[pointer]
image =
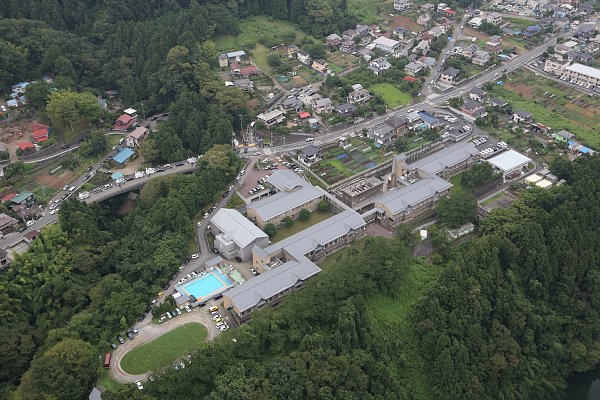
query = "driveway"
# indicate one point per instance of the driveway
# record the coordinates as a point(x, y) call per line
point(149, 332)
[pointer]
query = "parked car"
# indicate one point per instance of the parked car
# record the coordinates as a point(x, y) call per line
point(120, 339)
point(114, 346)
point(253, 271)
point(130, 335)
point(139, 385)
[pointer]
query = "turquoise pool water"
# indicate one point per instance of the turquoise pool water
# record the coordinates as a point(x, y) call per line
point(208, 285)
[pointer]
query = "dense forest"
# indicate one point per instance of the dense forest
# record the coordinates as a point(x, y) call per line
point(92, 275)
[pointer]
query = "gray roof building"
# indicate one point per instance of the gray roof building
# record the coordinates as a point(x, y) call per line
point(400, 199)
point(447, 158)
point(293, 192)
point(235, 226)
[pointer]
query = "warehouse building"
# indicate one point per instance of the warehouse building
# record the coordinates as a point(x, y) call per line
point(235, 236)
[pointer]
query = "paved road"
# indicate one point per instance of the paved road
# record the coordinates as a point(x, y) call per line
point(148, 332)
point(439, 65)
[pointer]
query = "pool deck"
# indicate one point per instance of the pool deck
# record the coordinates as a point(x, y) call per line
point(224, 281)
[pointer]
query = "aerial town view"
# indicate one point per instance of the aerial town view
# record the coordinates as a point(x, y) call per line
point(300, 199)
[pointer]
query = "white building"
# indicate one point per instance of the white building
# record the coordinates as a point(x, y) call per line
point(387, 45)
point(555, 65)
point(582, 74)
point(271, 118)
point(235, 236)
point(511, 163)
point(401, 5)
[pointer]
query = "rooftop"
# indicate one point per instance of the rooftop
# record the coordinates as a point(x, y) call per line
point(509, 160)
point(138, 132)
point(269, 283)
point(584, 70)
point(123, 155)
point(236, 227)
point(399, 199)
point(293, 192)
point(448, 157)
point(383, 41)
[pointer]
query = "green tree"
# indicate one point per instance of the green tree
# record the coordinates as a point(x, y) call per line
point(37, 94)
point(65, 371)
point(270, 229)
point(95, 143)
point(323, 206)
point(457, 209)
point(304, 215)
point(12, 60)
point(288, 221)
point(274, 60)
point(401, 144)
point(70, 107)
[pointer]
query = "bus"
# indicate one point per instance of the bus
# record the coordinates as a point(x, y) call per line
point(107, 358)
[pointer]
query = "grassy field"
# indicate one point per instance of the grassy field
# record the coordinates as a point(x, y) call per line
point(259, 55)
point(369, 11)
point(285, 231)
point(107, 382)
point(520, 23)
point(165, 349)
point(560, 108)
point(393, 318)
point(392, 96)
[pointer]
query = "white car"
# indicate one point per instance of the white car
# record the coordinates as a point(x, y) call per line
point(410, 110)
point(52, 212)
point(139, 385)
point(205, 215)
point(194, 256)
point(30, 222)
point(223, 327)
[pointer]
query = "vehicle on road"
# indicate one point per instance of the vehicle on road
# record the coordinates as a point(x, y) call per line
point(194, 256)
point(139, 385)
point(30, 222)
point(120, 339)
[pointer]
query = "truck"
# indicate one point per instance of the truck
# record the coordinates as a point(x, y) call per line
point(84, 195)
point(139, 174)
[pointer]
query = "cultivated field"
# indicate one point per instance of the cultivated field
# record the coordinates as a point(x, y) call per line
point(555, 105)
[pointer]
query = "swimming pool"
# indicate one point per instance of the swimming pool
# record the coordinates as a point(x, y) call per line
point(207, 285)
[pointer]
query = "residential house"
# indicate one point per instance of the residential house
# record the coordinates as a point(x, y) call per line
point(497, 102)
point(23, 198)
point(556, 65)
point(413, 68)
point(311, 154)
point(480, 57)
point(320, 66)
point(521, 116)
point(381, 134)
point(449, 13)
point(359, 96)
point(365, 54)
point(413, 116)
point(428, 61)
point(244, 84)
point(291, 50)
point(348, 46)
point(494, 44)
point(450, 75)
point(323, 105)
point(349, 34)
point(475, 22)
point(237, 56)
point(580, 57)
point(469, 51)
point(333, 40)
point(429, 120)
point(124, 122)
point(26, 147)
point(403, 35)
point(7, 222)
point(586, 30)
point(244, 72)
point(434, 33)
point(409, 79)
point(401, 5)
point(563, 136)
point(345, 109)
point(473, 108)
point(136, 137)
point(427, 7)
point(223, 61)
point(303, 57)
point(271, 118)
point(477, 94)
point(291, 104)
point(398, 123)
point(379, 65)
point(363, 30)
point(387, 45)
point(494, 18)
point(424, 19)
point(422, 47)
point(583, 74)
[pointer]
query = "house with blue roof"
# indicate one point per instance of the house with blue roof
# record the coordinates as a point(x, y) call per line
point(429, 119)
point(123, 156)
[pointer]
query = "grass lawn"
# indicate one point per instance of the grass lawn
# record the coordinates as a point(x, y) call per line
point(107, 382)
point(369, 11)
point(567, 109)
point(519, 22)
point(259, 54)
point(393, 319)
point(285, 231)
point(392, 96)
point(456, 180)
point(165, 349)
point(234, 201)
point(493, 198)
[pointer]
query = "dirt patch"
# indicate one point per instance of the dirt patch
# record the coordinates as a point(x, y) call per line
point(407, 22)
point(56, 182)
point(521, 89)
point(252, 105)
point(299, 81)
point(472, 32)
point(587, 113)
point(131, 167)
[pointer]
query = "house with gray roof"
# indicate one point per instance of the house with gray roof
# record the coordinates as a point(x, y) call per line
point(345, 109)
point(293, 195)
point(381, 134)
point(235, 236)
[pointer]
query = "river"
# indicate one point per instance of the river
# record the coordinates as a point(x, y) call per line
point(584, 386)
